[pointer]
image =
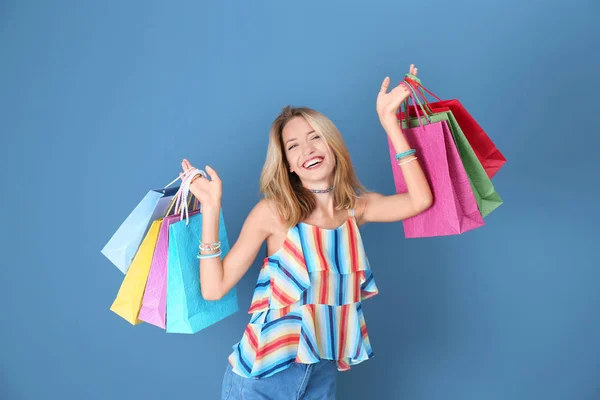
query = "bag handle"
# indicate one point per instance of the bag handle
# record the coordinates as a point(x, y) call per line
point(416, 83)
point(427, 111)
point(182, 199)
point(184, 192)
point(415, 102)
point(172, 208)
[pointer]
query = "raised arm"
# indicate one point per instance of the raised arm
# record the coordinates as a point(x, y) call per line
point(218, 277)
point(377, 207)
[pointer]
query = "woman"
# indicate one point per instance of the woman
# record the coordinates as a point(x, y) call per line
point(307, 319)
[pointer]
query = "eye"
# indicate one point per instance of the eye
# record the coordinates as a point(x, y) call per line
point(315, 137)
point(292, 146)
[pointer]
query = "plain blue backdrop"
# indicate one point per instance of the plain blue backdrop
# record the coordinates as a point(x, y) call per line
point(100, 101)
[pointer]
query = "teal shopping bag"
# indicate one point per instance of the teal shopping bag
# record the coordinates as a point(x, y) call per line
point(187, 310)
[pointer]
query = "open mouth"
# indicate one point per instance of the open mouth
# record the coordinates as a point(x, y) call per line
point(313, 163)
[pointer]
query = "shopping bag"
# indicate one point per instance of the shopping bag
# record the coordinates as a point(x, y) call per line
point(486, 151)
point(454, 209)
point(154, 303)
point(123, 245)
point(187, 311)
point(485, 194)
point(129, 298)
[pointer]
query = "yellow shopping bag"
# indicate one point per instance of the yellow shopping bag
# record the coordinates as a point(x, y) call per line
point(129, 299)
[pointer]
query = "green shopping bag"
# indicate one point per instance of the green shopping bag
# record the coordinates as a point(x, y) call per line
point(485, 194)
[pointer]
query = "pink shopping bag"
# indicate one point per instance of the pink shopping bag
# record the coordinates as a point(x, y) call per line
point(454, 209)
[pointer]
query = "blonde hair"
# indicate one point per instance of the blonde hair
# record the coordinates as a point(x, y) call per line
point(293, 201)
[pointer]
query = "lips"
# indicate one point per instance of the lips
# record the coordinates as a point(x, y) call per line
point(312, 163)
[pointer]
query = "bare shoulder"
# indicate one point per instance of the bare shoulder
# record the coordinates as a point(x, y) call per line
point(265, 213)
point(361, 204)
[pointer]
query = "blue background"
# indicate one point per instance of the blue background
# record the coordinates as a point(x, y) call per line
point(100, 101)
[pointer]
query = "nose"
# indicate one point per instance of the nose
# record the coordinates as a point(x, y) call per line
point(308, 149)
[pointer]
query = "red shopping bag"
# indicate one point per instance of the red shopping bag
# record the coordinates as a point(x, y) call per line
point(486, 151)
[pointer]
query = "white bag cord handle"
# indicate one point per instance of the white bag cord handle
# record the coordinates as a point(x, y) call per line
point(182, 195)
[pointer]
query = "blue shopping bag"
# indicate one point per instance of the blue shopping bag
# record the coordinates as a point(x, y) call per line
point(187, 311)
point(124, 244)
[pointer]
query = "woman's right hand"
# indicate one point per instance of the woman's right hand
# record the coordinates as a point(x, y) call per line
point(208, 192)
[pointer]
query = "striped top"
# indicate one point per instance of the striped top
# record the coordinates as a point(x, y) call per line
point(307, 303)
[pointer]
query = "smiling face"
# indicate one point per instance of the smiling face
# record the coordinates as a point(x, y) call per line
point(306, 151)
point(308, 154)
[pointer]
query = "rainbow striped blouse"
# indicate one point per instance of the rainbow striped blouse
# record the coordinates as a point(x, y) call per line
point(307, 303)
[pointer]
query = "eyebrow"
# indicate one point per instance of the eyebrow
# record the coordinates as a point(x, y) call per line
point(292, 139)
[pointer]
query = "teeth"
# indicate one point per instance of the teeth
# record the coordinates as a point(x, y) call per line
point(312, 162)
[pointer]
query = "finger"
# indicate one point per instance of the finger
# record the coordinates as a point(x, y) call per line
point(411, 68)
point(384, 85)
point(212, 173)
point(198, 176)
point(404, 94)
point(185, 165)
point(188, 168)
point(184, 176)
point(401, 89)
point(416, 71)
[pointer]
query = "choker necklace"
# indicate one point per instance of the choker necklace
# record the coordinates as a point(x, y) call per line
point(321, 190)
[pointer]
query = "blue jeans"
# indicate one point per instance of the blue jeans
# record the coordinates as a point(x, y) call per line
point(298, 382)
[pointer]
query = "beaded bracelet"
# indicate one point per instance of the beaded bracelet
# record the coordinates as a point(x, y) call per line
point(209, 246)
point(204, 256)
point(405, 154)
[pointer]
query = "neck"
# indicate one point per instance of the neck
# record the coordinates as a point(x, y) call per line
point(318, 185)
point(324, 201)
point(324, 205)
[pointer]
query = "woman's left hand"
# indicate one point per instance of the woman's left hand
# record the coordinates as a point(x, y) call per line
point(388, 103)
